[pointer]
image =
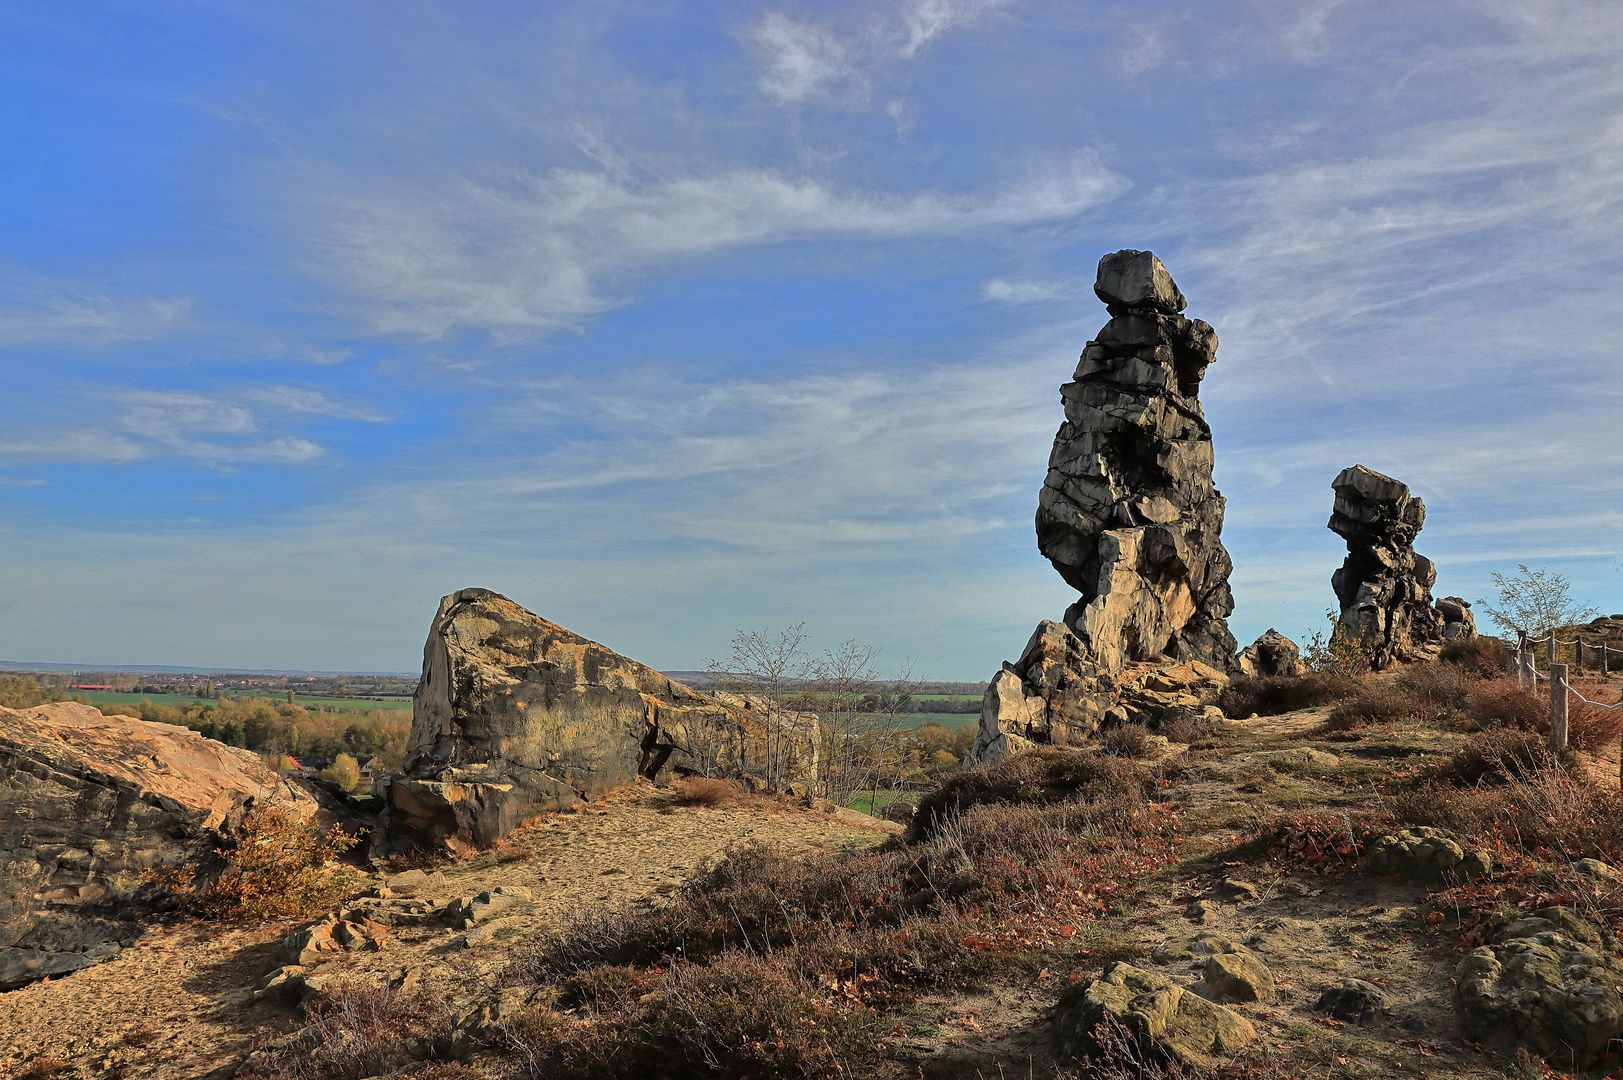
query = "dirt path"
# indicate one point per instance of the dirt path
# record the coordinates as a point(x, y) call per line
point(176, 1005)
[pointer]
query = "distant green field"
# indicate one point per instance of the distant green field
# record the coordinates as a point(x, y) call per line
point(108, 697)
point(948, 720)
point(946, 697)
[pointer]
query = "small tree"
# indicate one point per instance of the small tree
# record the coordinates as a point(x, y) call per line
point(1534, 602)
point(1342, 653)
point(861, 721)
point(345, 771)
point(770, 670)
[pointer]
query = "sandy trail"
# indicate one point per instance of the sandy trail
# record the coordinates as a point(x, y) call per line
point(175, 1005)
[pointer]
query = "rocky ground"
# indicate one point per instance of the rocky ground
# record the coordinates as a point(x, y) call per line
point(180, 1004)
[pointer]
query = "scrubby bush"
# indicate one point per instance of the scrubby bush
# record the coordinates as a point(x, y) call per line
point(356, 1030)
point(1049, 775)
point(703, 791)
point(1544, 809)
point(1483, 657)
point(1185, 726)
point(1502, 703)
point(280, 865)
point(1271, 695)
point(1500, 756)
point(1125, 740)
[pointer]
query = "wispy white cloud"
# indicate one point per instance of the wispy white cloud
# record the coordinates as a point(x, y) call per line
point(299, 399)
point(925, 20)
point(36, 312)
point(1024, 292)
point(71, 446)
point(526, 257)
point(802, 60)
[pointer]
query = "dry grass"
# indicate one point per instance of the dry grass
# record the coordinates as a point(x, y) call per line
point(1481, 657)
point(704, 791)
point(1501, 703)
point(1125, 740)
point(1041, 776)
point(356, 1030)
point(1272, 695)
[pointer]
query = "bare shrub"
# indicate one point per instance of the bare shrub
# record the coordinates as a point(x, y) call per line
point(1502, 703)
point(356, 1030)
point(1271, 695)
point(1126, 740)
point(703, 791)
point(1048, 775)
point(1498, 756)
point(1545, 809)
point(1381, 703)
point(1482, 657)
point(1189, 727)
point(280, 865)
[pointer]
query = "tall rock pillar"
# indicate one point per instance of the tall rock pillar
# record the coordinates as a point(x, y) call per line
point(1128, 514)
point(1384, 586)
point(1129, 517)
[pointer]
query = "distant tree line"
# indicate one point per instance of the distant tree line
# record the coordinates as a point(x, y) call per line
point(274, 729)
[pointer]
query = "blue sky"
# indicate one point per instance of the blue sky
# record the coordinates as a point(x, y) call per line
point(667, 319)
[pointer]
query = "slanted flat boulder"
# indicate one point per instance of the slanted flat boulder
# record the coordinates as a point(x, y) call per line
point(1168, 1020)
point(1548, 982)
point(88, 803)
point(515, 716)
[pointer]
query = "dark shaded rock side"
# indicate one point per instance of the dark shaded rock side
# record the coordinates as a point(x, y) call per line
point(88, 804)
point(1384, 586)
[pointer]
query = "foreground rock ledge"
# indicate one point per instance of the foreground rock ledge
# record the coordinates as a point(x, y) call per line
point(516, 716)
point(87, 803)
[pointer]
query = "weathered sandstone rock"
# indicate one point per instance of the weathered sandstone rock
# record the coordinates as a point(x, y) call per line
point(87, 803)
point(1422, 853)
point(1169, 1021)
point(1128, 514)
point(1456, 618)
point(1129, 517)
point(1548, 982)
point(516, 716)
point(1384, 586)
point(1271, 654)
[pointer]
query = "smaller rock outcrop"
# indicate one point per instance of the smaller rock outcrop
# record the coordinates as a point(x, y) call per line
point(1055, 696)
point(1427, 854)
point(1272, 654)
point(1169, 1021)
point(514, 716)
point(1548, 982)
point(88, 805)
point(1456, 617)
point(1384, 586)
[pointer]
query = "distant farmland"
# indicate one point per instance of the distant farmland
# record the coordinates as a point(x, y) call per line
point(108, 697)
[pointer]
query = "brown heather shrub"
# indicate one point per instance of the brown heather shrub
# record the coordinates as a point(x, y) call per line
point(742, 1015)
point(1271, 695)
point(1480, 657)
point(704, 791)
point(1185, 726)
point(1125, 740)
point(1501, 703)
point(1542, 811)
point(1049, 775)
point(1499, 755)
point(356, 1030)
point(281, 865)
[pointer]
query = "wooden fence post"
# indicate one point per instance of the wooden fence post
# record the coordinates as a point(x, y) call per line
point(1558, 707)
point(1603, 651)
point(1550, 658)
point(1524, 660)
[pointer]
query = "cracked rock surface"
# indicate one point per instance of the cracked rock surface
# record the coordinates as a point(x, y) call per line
point(1128, 514)
point(516, 716)
point(1384, 586)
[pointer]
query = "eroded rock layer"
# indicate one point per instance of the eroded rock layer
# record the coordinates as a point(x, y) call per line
point(1129, 517)
point(1384, 586)
point(87, 804)
point(516, 716)
point(1128, 514)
